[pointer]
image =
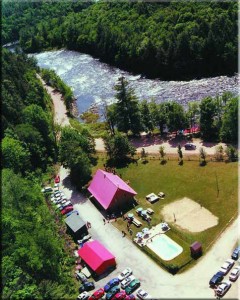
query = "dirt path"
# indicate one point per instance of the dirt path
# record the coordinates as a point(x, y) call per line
point(151, 145)
point(60, 111)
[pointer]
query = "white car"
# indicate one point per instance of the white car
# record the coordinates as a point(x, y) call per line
point(125, 273)
point(227, 266)
point(223, 288)
point(127, 281)
point(234, 273)
point(143, 294)
point(83, 296)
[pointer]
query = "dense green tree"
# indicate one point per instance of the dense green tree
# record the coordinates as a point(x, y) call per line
point(229, 129)
point(128, 115)
point(176, 118)
point(34, 142)
point(75, 151)
point(146, 116)
point(14, 155)
point(207, 114)
point(164, 40)
point(118, 147)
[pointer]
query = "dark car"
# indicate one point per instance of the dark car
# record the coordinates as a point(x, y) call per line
point(190, 146)
point(86, 286)
point(236, 252)
point(216, 279)
point(113, 291)
point(110, 284)
point(132, 286)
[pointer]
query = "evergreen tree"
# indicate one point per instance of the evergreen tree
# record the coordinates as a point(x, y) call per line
point(128, 115)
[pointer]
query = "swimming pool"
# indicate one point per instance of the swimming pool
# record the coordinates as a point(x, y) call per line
point(165, 247)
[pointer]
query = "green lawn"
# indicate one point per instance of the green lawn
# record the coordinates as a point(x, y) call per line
point(192, 181)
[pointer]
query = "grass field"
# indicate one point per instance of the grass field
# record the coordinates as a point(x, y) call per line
point(201, 184)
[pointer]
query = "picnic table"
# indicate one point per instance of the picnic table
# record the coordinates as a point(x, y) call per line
point(136, 222)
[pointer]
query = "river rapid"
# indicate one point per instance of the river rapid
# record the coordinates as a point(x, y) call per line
point(93, 81)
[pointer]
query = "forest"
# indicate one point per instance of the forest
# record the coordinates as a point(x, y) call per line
point(169, 40)
point(35, 261)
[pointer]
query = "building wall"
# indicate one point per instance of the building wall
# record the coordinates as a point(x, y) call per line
point(120, 200)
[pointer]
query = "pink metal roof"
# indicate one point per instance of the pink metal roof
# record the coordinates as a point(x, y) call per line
point(105, 185)
point(95, 254)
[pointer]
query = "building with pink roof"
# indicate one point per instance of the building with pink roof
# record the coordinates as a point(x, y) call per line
point(110, 191)
point(97, 257)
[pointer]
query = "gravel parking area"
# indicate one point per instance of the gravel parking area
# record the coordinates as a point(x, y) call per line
point(160, 284)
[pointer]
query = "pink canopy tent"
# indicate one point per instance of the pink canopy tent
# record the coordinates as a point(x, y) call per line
point(108, 189)
point(97, 257)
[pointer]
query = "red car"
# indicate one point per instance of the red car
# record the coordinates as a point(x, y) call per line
point(57, 179)
point(120, 296)
point(130, 297)
point(97, 294)
point(67, 210)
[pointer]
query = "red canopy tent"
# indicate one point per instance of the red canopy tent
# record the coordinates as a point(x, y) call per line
point(97, 257)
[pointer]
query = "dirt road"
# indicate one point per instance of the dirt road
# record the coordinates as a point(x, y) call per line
point(60, 111)
point(152, 144)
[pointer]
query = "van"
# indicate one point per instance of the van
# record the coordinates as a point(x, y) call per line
point(216, 279)
point(47, 189)
point(236, 252)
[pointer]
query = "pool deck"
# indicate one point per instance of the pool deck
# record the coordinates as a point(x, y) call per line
point(155, 230)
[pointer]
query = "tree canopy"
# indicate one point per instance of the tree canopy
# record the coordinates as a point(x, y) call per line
point(170, 40)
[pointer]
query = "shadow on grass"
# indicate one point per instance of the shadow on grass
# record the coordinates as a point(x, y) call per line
point(120, 163)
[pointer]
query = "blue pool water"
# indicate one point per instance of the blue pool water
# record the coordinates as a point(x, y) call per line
point(165, 247)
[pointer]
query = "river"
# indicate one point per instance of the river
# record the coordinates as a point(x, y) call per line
point(93, 82)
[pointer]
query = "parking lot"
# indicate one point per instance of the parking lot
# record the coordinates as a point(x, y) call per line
point(160, 284)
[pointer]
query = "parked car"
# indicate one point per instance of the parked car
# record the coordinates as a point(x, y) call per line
point(71, 212)
point(110, 284)
point(143, 294)
point(80, 276)
point(130, 297)
point(127, 281)
point(227, 266)
point(190, 146)
point(125, 273)
point(83, 296)
point(86, 286)
point(236, 253)
point(66, 204)
point(66, 210)
point(84, 239)
point(113, 291)
point(47, 189)
point(97, 294)
point(234, 273)
point(132, 286)
point(57, 179)
point(216, 279)
point(120, 296)
point(223, 288)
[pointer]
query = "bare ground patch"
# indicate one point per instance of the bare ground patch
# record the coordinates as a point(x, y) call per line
point(189, 215)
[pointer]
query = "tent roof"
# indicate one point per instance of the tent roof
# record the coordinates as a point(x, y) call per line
point(74, 222)
point(105, 185)
point(94, 254)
